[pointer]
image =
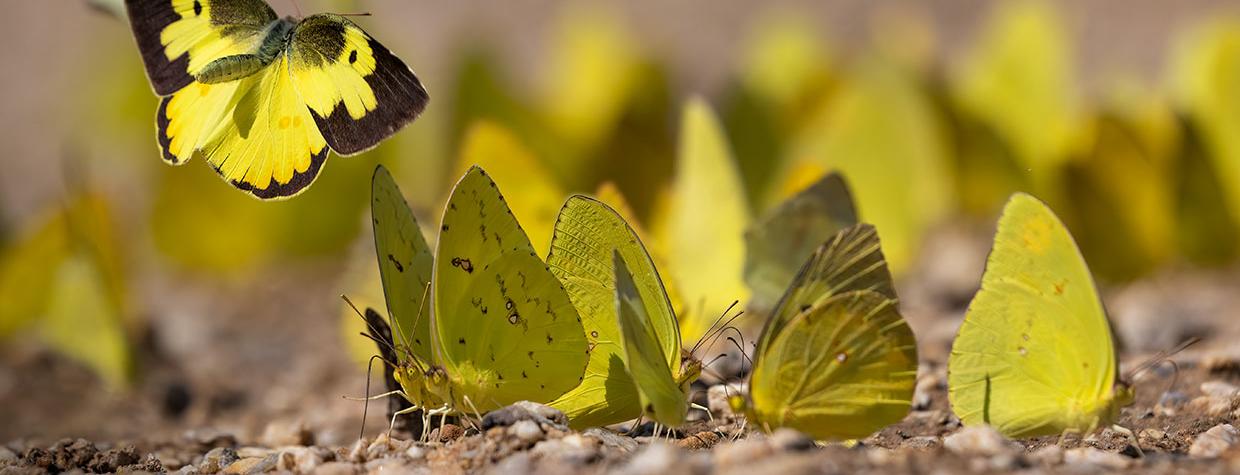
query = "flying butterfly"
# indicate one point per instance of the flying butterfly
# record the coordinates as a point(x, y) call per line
point(835, 360)
point(1034, 355)
point(262, 98)
point(636, 362)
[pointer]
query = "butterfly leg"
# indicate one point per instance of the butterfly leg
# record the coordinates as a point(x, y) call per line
point(407, 410)
point(636, 424)
point(429, 415)
point(397, 392)
point(1131, 436)
point(703, 408)
point(1064, 435)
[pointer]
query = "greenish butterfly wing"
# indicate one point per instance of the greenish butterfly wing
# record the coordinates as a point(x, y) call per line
point(841, 369)
point(851, 260)
point(405, 263)
point(779, 242)
point(1034, 354)
point(504, 327)
point(661, 396)
point(586, 233)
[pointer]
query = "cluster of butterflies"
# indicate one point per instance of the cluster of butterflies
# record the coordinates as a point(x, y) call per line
point(483, 322)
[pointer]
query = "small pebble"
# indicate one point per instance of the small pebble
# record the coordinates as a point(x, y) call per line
point(656, 458)
point(980, 440)
point(699, 441)
point(336, 468)
point(742, 451)
point(447, 433)
point(1049, 455)
point(415, 452)
point(573, 449)
point(217, 459)
point(1212, 406)
point(251, 465)
point(1153, 435)
point(381, 447)
point(1215, 441)
point(611, 439)
point(1087, 457)
point(286, 433)
point(923, 393)
point(387, 465)
point(7, 456)
point(526, 430)
point(1221, 364)
point(1170, 402)
point(1220, 389)
point(524, 410)
point(357, 453)
point(923, 442)
point(790, 440)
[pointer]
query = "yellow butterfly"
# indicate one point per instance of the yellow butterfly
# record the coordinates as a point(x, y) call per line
point(1035, 355)
point(262, 98)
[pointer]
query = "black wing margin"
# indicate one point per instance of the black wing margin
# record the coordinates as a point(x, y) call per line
point(149, 18)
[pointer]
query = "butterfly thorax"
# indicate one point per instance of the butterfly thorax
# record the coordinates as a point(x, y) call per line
point(231, 68)
point(690, 369)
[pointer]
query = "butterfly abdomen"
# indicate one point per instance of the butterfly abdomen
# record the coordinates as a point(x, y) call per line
point(237, 66)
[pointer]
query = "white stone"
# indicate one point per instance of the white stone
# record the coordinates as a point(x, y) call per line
point(1086, 457)
point(980, 440)
point(526, 430)
point(1215, 441)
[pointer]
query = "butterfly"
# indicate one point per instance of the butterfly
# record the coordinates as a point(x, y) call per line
point(636, 364)
point(779, 242)
point(483, 322)
point(263, 98)
point(835, 360)
point(1035, 355)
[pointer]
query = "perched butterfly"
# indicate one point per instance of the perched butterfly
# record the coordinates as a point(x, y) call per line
point(262, 98)
point(1034, 355)
point(381, 333)
point(636, 363)
point(497, 328)
point(835, 360)
point(778, 243)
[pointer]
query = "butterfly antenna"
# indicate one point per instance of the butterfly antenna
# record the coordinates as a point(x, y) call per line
point(355, 14)
point(740, 346)
point(710, 331)
point(366, 405)
point(373, 330)
point(1160, 357)
point(296, 7)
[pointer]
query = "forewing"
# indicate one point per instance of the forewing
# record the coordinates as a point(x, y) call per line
point(358, 92)
point(1034, 348)
point(177, 38)
point(504, 327)
point(842, 369)
point(405, 263)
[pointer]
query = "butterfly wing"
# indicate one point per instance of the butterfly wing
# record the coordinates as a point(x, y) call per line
point(504, 327)
point(647, 363)
point(1034, 354)
point(708, 217)
point(779, 243)
point(841, 369)
point(177, 38)
point(405, 263)
point(255, 132)
point(358, 92)
point(851, 260)
point(586, 233)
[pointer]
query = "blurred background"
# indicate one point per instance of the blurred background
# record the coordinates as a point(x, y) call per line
point(140, 300)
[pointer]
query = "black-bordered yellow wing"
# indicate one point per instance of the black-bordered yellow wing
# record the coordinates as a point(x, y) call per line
point(263, 98)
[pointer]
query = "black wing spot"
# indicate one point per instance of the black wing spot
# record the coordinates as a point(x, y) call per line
point(444, 228)
point(594, 334)
point(399, 268)
point(523, 375)
point(464, 264)
point(461, 341)
point(352, 56)
point(530, 354)
point(549, 339)
point(197, 8)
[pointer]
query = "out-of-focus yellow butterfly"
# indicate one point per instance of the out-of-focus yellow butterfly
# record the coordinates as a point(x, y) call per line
point(703, 228)
point(779, 242)
point(500, 327)
point(835, 360)
point(1035, 355)
point(262, 98)
point(636, 365)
